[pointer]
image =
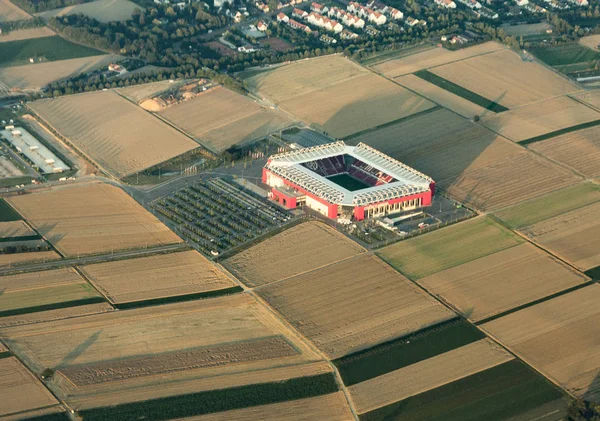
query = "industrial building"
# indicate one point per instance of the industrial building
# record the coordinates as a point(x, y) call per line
point(346, 182)
point(34, 150)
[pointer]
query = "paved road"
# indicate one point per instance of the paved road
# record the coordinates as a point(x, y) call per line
point(92, 259)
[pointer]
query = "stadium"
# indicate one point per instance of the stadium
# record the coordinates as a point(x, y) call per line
point(346, 182)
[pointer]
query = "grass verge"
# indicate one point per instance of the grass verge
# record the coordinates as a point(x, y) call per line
point(43, 49)
point(402, 352)
point(460, 91)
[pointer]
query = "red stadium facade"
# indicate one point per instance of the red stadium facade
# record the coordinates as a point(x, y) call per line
point(350, 182)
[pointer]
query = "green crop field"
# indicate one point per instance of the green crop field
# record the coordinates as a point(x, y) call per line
point(7, 213)
point(43, 49)
point(550, 205)
point(448, 247)
point(565, 54)
point(216, 400)
point(403, 352)
point(499, 393)
point(460, 91)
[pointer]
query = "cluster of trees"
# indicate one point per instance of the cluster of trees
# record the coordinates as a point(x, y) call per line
point(21, 24)
point(583, 411)
point(35, 6)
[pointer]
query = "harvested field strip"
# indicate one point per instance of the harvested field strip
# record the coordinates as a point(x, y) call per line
point(22, 238)
point(21, 34)
point(188, 359)
point(448, 247)
point(10, 12)
point(20, 391)
point(15, 259)
point(58, 314)
point(216, 400)
point(427, 374)
point(353, 305)
point(460, 91)
point(502, 281)
point(298, 250)
point(573, 236)
point(534, 303)
point(411, 349)
point(7, 213)
point(59, 416)
point(594, 273)
point(391, 123)
point(550, 205)
point(15, 229)
point(560, 132)
point(559, 338)
point(498, 393)
point(331, 407)
point(179, 298)
point(52, 306)
point(161, 276)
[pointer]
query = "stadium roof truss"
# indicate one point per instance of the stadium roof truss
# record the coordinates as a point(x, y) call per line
point(408, 181)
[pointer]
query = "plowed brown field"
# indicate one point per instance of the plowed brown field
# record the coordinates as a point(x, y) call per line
point(501, 281)
point(297, 250)
point(353, 305)
point(560, 338)
point(156, 276)
point(92, 218)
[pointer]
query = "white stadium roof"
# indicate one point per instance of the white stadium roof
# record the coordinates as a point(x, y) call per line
point(408, 181)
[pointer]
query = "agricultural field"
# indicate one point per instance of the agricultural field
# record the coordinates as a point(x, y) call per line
point(8, 260)
point(343, 91)
point(52, 48)
point(505, 78)
point(33, 292)
point(566, 54)
point(217, 216)
point(446, 99)
point(14, 230)
point(526, 29)
point(426, 375)
point(574, 236)
point(298, 250)
point(506, 392)
point(35, 76)
point(569, 326)
point(117, 135)
point(92, 218)
point(177, 349)
point(221, 118)
point(23, 34)
point(590, 41)
point(432, 58)
point(158, 276)
point(579, 150)
point(101, 10)
point(550, 205)
point(331, 407)
point(323, 305)
point(446, 248)
point(10, 12)
point(501, 281)
point(21, 393)
point(470, 162)
point(540, 118)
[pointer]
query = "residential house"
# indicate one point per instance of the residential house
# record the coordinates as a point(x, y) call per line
point(318, 8)
point(346, 18)
point(346, 34)
point(395, 14)
point(580, 2)
point(282, 17)
point(327, 39)
point(262, 26)
point(262, 6)
point(371, 30)
point(410, 21)
point(324, 22)
point(487, 13)
point(297, 25)
point(448, 4)
point(299, 13)
point(522, 3)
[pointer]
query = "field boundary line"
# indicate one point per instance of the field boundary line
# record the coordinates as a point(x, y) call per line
point(279, 317)
point(485, 53)
point(533, 303)
point(539, 246)
point(385, 60)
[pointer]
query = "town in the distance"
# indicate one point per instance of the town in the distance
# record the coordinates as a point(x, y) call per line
point(285, 210)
